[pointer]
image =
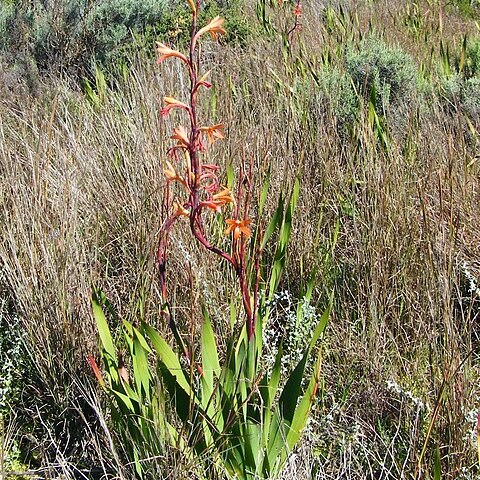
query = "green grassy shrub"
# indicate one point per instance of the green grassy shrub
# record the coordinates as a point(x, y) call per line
point(472, 60)
point(6, 12)
point(110, 23)
point(468, 8)
point(389, 70)
point(470, 97)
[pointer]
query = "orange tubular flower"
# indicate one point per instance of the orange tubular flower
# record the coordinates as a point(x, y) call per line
point(214, 28)
point(298, 9)
point(173, 103)
point(215, 205)
point(180, 134)
point(225, 196)
point(238, 228)
point(213, 132)
point(166, 52)
point(171, 173)
point(210, 166)
point(179, 210)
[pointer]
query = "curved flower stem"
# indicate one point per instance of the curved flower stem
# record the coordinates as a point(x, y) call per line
point(195, 176)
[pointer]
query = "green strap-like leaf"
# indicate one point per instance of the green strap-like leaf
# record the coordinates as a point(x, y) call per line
point(302, 411)
point(210, 360)
point(125, 400)
point(252, 439)
point(320, 328)
point(102, 325)
point(275, 378)
point(167, 357)
point(211, 368)
point(141, 371)
point(263, 194)
point(274, 222)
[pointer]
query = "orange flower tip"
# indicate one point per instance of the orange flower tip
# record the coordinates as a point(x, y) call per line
point(166, 52)
point(203, 80)
point(171, 173)
point(298, 9)
point(180, 134)
point(214, 132)
point(214, 27)
point(210, 166)
point(215, 205)
point(179, 210)
point(192, 5)
point(96, 370)
point(224, 196)
point(203, 83)
point(170, 103)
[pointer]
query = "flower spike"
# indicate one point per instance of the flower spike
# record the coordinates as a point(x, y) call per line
point(166, 52)
point(214, 28)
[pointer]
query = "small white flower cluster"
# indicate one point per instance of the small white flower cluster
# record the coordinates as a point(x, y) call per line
point(467, 474)
point(10, 353)
point(471, 418)
point(472, 281)
point(405, 394)
point(291, 323)
point(186, 254)
point(334, 428)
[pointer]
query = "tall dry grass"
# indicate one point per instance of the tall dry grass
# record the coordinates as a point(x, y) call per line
point(81, 189)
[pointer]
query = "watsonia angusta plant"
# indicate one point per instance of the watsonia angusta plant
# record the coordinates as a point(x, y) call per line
point(243, 420)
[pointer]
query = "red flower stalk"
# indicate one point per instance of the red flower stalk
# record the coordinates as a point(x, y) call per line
point(199, 180)
point(297, 12)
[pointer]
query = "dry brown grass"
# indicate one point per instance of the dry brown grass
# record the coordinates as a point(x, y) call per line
point(81, 190)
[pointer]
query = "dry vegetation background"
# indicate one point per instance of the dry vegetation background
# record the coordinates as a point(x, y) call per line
point(388, 217)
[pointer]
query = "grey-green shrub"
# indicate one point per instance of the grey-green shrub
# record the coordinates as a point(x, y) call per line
point(336, 95)
point(461, 93)
point(69, 34)
point(391, 71)
point(470, 97)
point(110, 22)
